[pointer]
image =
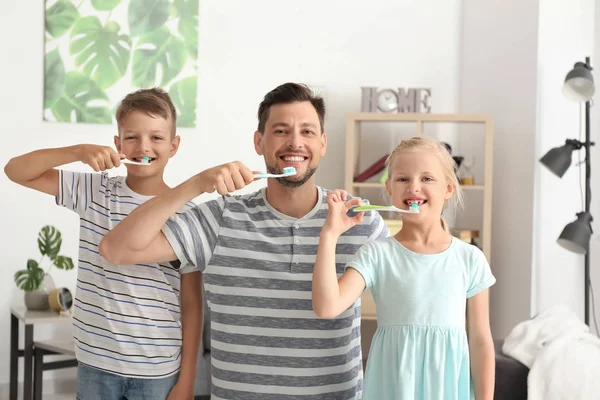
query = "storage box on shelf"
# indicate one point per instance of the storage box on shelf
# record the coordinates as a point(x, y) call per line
point(353, 145)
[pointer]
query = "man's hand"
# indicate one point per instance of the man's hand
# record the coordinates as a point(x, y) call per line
point(225, 178)
point(100, 158)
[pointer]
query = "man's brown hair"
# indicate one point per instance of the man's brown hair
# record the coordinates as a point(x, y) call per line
point(290, 93)
point(153, 102)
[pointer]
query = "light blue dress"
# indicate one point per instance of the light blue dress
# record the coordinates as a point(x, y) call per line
point(420, 349)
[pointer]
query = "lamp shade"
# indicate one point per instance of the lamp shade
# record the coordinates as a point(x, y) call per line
point(558, 160)
point(579, 83)
point(575, 236)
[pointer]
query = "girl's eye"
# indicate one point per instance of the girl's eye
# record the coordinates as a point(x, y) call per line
point(402, 180)
point(428, 179)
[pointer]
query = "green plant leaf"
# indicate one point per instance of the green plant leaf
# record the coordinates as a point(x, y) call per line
point(145, 16)
point(60, 17)
point(187, 12)
point(54, 78)
point(105, 5)
point(32, 264)
point(82, 101)
point(29, 279)
point(62, 262)
point(103, 53)
point(158, 48)
point(49, 241)
point(183, 94)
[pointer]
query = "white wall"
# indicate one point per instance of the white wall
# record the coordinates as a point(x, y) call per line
point(566, 35)
point(246, 49)
point(498, 77)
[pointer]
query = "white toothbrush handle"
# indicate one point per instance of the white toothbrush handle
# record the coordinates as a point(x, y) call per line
point(126, 161)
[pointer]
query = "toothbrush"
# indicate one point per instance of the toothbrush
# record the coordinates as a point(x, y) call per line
point(287, 171)
point(413, 209)
point(145, 161)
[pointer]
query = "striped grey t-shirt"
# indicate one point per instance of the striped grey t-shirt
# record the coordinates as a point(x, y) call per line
point(126, 318)
point(266, 341)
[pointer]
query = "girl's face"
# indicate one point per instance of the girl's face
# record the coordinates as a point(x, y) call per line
point(418, 177)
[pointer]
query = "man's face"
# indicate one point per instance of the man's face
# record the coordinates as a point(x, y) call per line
point(292, 138)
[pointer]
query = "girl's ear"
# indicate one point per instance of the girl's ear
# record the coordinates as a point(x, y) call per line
point(449, 191)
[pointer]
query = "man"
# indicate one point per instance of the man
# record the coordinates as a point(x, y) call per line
point(257, 253)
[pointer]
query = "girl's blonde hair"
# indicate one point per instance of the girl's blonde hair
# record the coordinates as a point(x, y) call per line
point(449, 167)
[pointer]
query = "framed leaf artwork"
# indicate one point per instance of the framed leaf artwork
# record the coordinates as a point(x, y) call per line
point(97, 51)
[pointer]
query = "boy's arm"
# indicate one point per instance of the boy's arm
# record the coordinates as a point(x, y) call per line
point(139, 237)
point(192, 313)
point(36, 170)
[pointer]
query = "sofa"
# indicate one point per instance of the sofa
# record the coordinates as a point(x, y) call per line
point(511, 376)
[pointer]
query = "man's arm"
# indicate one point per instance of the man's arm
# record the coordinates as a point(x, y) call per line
point(192, 313)
point(139, 237)
point(36, 170)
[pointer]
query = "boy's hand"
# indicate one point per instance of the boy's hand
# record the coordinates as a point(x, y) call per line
point(338, 221)
point(225, 178)
point(100, 158)
point(181, 392)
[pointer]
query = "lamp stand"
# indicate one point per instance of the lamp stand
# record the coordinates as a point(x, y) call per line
point(588, 198)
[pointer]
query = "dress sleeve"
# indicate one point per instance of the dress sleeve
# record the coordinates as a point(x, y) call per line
point(365, 261)
point(480, 273)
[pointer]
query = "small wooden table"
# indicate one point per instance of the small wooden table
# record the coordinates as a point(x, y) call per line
point(29, 319)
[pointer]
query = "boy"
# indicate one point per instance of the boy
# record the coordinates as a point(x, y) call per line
point(128, 319)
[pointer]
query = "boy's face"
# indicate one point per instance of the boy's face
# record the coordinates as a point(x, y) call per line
point(145, 135)
point(292, 138)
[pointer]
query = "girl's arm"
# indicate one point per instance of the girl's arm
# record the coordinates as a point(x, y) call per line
point(331, 297)
point(481, 345)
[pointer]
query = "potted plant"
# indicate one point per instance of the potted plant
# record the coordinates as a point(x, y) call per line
point(34, 280)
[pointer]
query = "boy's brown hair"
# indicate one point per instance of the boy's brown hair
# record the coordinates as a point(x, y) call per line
point(153, 102)
point(288, 93)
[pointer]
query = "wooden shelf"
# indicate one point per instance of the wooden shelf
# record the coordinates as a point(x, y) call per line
point(353, 137)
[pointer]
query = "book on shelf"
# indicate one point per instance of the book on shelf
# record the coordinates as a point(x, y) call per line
point(372, 170)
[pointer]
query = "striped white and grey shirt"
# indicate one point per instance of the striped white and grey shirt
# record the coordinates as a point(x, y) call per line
point(266, 341)
point(126, 318)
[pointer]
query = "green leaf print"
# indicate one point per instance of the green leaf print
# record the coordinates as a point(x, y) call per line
point(157, 49)
point(183, 94)
point(54, 79)
point(60, 17)
point(103, 53)
point(144, 16)
point(187, 12)
point(105, 5)
point(82, 101)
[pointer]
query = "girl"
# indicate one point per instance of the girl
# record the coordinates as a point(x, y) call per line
point(425, 284)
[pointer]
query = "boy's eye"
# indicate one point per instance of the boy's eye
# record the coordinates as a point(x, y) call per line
point(157, 138)
point(402, 179)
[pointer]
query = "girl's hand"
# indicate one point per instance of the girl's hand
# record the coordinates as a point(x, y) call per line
point(338, 221)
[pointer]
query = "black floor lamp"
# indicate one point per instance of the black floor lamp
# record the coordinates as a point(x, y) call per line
point(575, 237)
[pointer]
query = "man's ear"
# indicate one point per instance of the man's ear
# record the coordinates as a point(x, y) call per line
point(323, 144)
point(117, 141)
point(258, 142)
point(174, 145)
